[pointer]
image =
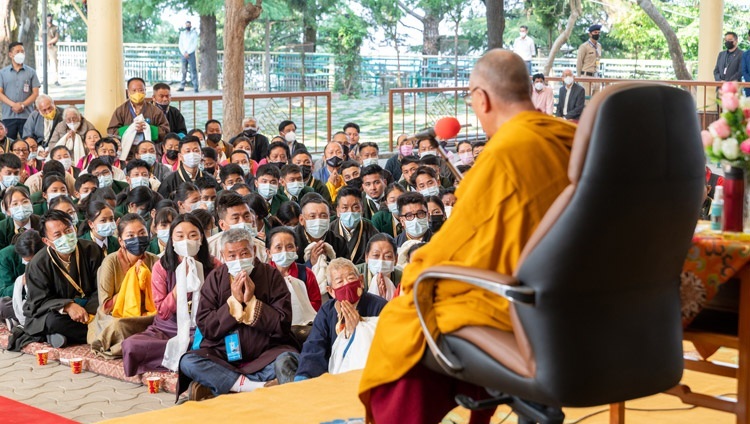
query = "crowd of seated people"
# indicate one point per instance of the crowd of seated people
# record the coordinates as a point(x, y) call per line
point(237, 261)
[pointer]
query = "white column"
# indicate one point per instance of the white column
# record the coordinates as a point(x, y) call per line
point(105, 79)
point(710, 36)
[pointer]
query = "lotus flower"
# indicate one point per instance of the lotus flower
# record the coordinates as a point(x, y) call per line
point(745, 147)
point(707, 138)
point(729, 87)
point(730, 148)
point(730, 102)
point(720, 128)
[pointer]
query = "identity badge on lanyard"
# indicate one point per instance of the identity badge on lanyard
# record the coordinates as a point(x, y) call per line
point(232, 343)
point(26, 87)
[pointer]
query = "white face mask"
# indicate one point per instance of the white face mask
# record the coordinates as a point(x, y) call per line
point(284, 259)
point(568, 80)
point(523, 34)
point(295, 188)
point(539, 86)
point(239, 265)
point(428, 153)
point(317, 228)
point(187, 248)
point(448, 210)
point(380, 266)
point(417, 227)
point(19, 58)
point(267, 190)
point(192, 159)
point(290, 137)
point(139, 182)
point(247, 227)
point(66, 163)
point(73, 125)
point(369, 161)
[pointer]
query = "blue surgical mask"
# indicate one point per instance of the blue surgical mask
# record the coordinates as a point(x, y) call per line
point(350, 219)
point(106, 229)
point(105, 181)
point(210, 205)
point(267, 190)
point(284, 259)
point(21, 212)
point(11, 180)
point(245, 226)
point(66, 243)
point(149, 158)
point(139, 182)
point(245, 169)
point(295, 188)
point(163, 235)
point(369, 161)
point(317, 228)
point(74, 217)
point(417, 227)
point(430, 191)
point(393, 208)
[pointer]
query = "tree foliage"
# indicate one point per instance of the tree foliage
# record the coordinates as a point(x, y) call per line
point(344, 33)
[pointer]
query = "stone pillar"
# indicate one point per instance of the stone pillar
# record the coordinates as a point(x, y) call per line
point(710, 36)
point(105, 79)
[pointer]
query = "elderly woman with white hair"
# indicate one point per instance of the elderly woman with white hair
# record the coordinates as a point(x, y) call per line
point(71, 132)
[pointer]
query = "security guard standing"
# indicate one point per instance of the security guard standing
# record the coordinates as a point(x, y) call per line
point(589, 56)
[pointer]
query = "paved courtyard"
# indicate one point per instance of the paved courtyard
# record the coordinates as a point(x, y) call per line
point(85, 397)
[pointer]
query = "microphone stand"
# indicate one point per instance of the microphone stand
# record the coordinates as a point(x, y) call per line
point(456, 173)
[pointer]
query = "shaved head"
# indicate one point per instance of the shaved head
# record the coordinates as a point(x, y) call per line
point(503, 75)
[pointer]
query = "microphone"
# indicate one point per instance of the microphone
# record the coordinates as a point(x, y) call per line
point(444, 129)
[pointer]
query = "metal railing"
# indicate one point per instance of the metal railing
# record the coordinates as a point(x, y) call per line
point(378, 74)
point(310, 111)
point(413, 109)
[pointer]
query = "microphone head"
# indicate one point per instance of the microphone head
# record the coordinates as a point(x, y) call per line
point(447, 128)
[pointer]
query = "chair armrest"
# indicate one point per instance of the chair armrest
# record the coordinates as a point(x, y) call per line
point(502, 285)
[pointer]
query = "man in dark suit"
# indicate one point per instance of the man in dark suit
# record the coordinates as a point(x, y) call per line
point(572, 98)
point(728, 64)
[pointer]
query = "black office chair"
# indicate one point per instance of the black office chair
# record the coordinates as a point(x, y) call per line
point(595, 299)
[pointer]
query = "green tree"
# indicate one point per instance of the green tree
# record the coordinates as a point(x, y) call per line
point(387, 18)
point(312, 12)
point(344, 34)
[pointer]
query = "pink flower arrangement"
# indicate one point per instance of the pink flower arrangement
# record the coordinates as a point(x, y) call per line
point(728, 138)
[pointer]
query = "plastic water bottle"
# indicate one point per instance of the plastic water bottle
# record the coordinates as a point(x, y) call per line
point(717, 208)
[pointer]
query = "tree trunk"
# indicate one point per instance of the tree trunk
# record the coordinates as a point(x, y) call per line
point(495, 23)
point(5, 31)
point(675, 50)
point(431, 34)
point(575, 12)
point(208, 54)
point(310, 37)
point(238, 16)
point(27, 29)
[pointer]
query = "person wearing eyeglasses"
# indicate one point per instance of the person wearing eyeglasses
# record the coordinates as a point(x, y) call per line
point(414, 218)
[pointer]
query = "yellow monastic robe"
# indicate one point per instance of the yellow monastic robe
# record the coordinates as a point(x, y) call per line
point(501, 200)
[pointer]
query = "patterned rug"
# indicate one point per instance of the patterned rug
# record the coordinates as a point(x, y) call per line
point(91, 362)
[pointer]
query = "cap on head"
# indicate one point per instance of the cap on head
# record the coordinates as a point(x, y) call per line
point(595, 27)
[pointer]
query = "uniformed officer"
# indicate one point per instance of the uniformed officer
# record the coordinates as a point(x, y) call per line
point(589, 55)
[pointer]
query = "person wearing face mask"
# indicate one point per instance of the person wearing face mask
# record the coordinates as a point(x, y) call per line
point(251, 304)
point(524, 46)
point(589, 58)
point(13, 261)
point(386, 221)
point(352, 306)
point(281, 247)
point(105, 174)
point(428, 152)
point(313, 228)
point(234, 212)
point(188, 44)
point(189, 168)
point(161, 223)
point(729, 62)
point(251, 130)
point(294, 186)
point(20, 215)
point(572, 98)
point(153, 119)
point(303, 159)
point(42, 122)
point(381, 277)
point(414, 218)
point(185, 253)
point(52, 187)
point(162, 99)
point(405, 148)
point(138, 174)
point(425, 181)
point(61, 286)
point(542, 96)
point(19, 88)
point(107, 151)
point(146, 151)
point(350, 225)
point(249, 166)
point(100, 227)
point(267, 185)
point(215, 140)
point(126, 306)
point(288, 130)
point(52, 167)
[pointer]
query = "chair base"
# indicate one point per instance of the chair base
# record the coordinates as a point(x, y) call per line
point(527, 412)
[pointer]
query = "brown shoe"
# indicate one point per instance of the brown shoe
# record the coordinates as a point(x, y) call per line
point(274, 382)
point(199, 392)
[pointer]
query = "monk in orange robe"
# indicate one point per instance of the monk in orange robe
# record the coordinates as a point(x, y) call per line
point(501, 200)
